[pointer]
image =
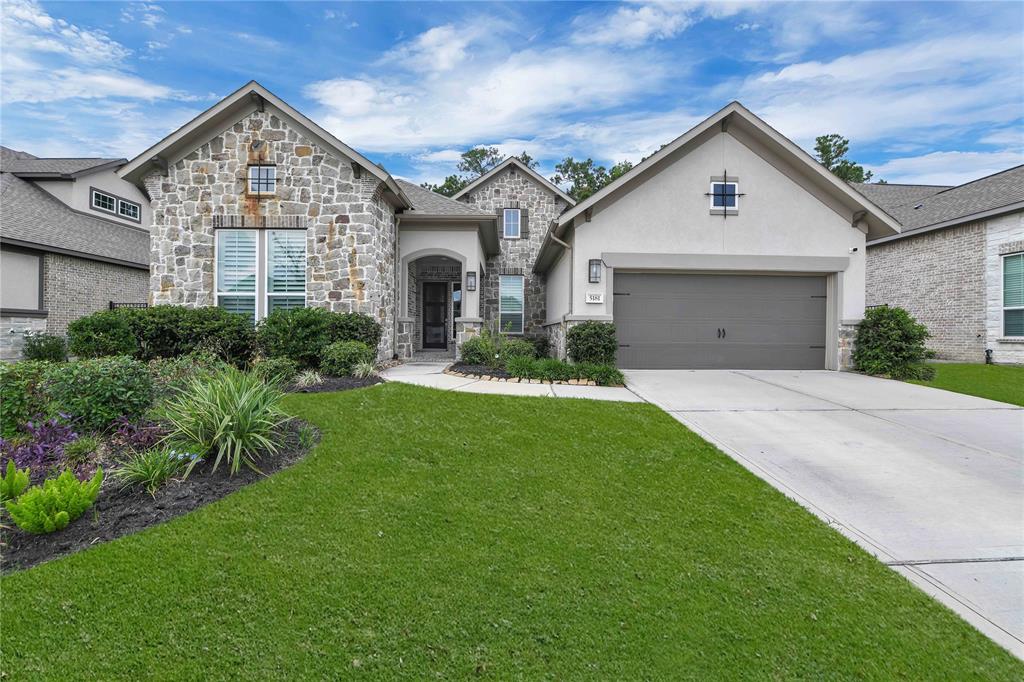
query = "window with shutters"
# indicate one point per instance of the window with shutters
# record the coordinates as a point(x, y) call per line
point(510, 220)
point(1013, 295)
point(260, 271)
point(510, 303)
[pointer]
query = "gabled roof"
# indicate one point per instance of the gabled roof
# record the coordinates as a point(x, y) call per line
point(249, 98)
point(426, 202)
point(26, 165)
point(32, 217)
point(513, 161)
point(889, 195)
point(991, 195)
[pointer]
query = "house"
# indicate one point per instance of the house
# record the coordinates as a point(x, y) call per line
point(730, 247)
point(73, 237)
point(957, 265)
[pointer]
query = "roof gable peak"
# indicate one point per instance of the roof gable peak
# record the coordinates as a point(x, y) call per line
point(515, 161)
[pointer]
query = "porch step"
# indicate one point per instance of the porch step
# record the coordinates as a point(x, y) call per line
point(433, 356)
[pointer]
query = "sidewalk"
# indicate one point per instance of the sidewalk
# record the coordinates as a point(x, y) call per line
point(431, 374)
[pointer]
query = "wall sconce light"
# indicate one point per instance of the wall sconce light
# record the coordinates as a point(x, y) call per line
point(471, 281)
point(595, 270)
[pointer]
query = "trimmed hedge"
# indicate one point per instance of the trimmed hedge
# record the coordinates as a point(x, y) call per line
point(890, 342)
point(592, 342)
point(342, 356)
point(48, 347)
point(304, 333)
point(104, 333)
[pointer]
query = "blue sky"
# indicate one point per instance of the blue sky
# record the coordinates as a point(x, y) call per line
point(926, 92)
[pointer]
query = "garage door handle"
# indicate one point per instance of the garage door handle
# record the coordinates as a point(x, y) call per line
point(723, 332)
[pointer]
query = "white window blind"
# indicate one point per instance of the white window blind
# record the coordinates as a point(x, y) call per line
point(236, 263)
point(1013, 295)
point(510, 219)
point(510, 303)
point(286, 269)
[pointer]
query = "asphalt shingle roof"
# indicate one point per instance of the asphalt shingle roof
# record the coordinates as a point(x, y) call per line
point(58, 166)
point(426, 202)
point(32, 215)
point(889, 196)
point(922, 209)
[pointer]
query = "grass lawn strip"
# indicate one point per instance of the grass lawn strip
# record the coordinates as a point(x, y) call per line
point(446, 534)
point(1004, 383)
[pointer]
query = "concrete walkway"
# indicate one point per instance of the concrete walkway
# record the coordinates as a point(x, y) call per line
point(432, 374)
point(929, 481)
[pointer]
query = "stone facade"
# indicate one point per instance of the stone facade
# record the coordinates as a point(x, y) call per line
point(74, 287)
point(939, 277)
point(513, 188)
point(13, 329)
point(350, 227)
point(1004, 235)
point(847, 342)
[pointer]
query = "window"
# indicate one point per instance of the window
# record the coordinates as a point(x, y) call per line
point(240, 287)
point(129, 210)
point(262, 179)
point(510, 303)
point(724, 196)
point(511, 223)
point(103, 201)
point(21, 280)
point(1013, 295)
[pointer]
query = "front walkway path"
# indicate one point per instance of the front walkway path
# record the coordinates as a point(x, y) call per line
point(432, 374)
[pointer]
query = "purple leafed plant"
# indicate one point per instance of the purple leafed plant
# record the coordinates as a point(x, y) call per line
point(137, 436)
point(42, 446)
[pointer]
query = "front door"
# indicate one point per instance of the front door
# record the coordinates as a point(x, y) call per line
point(435, 314)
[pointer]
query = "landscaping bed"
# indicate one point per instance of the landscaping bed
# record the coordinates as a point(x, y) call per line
point(120, 510)
point(330, 384)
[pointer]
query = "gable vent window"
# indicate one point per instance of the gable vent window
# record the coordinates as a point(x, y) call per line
point(724, 196)
point(262, 179)
point(103, 201)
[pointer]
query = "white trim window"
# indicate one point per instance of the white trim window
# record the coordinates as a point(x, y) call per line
point(260, 271)
point(511, 304)
point(1013, 295)
point(725, 196)
point(102, 201)
point(129, 210)
point(262, 179)
point(510, 222)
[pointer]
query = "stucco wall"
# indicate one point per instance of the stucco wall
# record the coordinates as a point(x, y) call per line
point(1004, 235)
point(350, 228)
point(939, 278)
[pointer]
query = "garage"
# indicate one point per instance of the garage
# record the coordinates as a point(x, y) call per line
point(720, 321)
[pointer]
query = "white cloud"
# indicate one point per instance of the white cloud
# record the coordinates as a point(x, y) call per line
point(633, 25)
point(148, 14)
point(947, 168)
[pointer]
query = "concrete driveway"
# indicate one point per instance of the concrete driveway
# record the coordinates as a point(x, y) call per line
point(930, 482)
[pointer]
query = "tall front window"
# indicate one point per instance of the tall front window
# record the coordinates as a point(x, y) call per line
point(510, 218)
point(1013, 295)
point(510, 303)
point(242, 258)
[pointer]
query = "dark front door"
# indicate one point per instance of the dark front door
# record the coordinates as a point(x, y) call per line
point(435, 314)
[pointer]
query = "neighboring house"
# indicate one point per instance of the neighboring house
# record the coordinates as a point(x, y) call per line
point(958, 264)
point(73, 238)
point(730, 247)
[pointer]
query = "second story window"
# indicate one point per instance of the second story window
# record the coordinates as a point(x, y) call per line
point(510, 220)
point(111, 203)
point(129, 210)
point(262, 179)
point(103, 201)
point(724, 196)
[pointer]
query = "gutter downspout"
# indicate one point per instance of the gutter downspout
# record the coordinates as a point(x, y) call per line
point(398, 292)
point(572, 268)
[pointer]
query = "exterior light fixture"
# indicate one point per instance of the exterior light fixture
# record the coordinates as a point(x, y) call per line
point(595, 270)
point(471, 281)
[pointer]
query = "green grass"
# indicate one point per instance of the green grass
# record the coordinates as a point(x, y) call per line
point(455, 535)
point(1004, 383)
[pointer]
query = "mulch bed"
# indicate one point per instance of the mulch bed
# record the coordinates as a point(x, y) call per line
point(481, 370)
point(119, 512)
point(338, 384)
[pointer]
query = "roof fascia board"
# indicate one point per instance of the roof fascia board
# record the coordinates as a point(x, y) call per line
point(953, 222)
point(544, 182)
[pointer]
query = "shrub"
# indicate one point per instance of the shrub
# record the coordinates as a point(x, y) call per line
point(302, 334)
point(41, 446)
point(479, 350)
point(21, 394)
point(78, 450)
point(364, 370)
point(551, 369)
point(592, 342)
point(103, 333)
point(48, 347)
point(339, 358)
point(516, 348)
point(890, 342)
point(541, 346)
point(232, 416)
point(307, 378)
point(13, 482)
point(280, 370)
point(55, 504)
point(151, 469)
point(171, 374)
point(98, 391)
point(521, 367)
point(602, 375)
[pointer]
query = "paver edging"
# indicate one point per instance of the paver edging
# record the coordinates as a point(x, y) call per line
point(516, 380)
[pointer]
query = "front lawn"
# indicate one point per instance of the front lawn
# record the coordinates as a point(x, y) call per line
point(459, 535)
point(1004, 383)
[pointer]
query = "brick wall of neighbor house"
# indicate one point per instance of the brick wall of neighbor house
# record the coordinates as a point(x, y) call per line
point(350, 228)
point(1005, 235)
point(74, 287)
point(939, 277)
point(512, 188)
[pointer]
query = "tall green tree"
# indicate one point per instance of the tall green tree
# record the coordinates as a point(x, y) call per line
point(474, 163)
point(831, 151)
point(585, 177)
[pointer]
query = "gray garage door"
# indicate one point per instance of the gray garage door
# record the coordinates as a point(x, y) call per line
point(669, 321)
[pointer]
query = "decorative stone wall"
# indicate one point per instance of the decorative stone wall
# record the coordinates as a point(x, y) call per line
point(350, 228)
point(403, 339)
point(939, 278)
point(464, 331)
point(1003, 235)
point(512, 188)
point(12, 334)
point(74, 287)
point(847, 342)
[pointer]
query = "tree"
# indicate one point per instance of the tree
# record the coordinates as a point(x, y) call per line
point(474, 163)
point(585, 177)
point(527, 160)
point(451, 186)
point(831, 150)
